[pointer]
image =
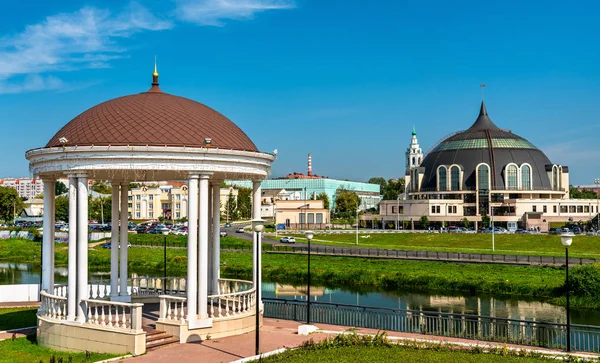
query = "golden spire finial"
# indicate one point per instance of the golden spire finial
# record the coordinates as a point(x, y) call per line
point(155, 74)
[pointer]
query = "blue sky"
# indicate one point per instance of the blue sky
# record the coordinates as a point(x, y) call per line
point(343, 80)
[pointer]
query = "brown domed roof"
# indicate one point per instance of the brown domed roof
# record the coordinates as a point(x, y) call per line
point(153, 118)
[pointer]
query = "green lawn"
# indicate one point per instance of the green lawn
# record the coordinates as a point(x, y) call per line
point(355, 354)
point(12, 318)
point(389, 275)
point(357, 274)
point(26, 350)
point(522, 244)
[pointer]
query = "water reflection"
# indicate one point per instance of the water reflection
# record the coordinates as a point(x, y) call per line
point(524, 309)
point(477, 305)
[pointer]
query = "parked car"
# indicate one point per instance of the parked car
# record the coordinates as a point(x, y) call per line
point(223, 233)
point(227, 225)
point(141, 229)
point(108, 245)
point(239, 230)
point(287, 240)
point(577, 230)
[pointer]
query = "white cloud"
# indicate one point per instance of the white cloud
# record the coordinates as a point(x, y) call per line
point(32, 83)
point(86, 38)
point(213, 12)
point(90, 38)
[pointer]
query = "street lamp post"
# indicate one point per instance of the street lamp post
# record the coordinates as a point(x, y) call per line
point(257, 226)
point(492, 210)
point(597, 181)
point(309, 237)
point(165, 233)
point(357, 226)
point(397, 211)
point(566, 240)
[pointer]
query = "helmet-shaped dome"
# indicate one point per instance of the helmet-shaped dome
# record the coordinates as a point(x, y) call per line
point(484, 142)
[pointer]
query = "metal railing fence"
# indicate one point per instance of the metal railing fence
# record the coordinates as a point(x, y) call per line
point(584, 338)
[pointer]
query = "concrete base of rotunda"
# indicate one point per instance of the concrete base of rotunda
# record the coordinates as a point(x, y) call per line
point(77, 337)
point(221, 327)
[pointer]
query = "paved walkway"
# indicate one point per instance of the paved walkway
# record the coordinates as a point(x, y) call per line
point(277, 334)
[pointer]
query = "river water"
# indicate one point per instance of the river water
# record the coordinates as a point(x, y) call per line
point(523, 309)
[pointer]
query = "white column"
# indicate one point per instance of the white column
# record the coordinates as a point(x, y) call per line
point(82, 246)
point(216, 245)
point(192, 268)
point(114, 240)
point(72, 251)
point(124, 240)
point(256, 198)
point(211, 230)
point(52, 212)
point(203, 248)
point(46, 242)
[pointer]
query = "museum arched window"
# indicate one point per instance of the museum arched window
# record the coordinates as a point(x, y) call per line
point(454, 178)
point(483, 176)
point(526, 177)
point(442, 178)
point(512, 176)
point(555, 183)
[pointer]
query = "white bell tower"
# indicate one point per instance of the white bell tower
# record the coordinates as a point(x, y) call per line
point(414, 153)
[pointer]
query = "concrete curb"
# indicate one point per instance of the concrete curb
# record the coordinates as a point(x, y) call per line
point(260, 356)
point(17, 329)
point(114, 359)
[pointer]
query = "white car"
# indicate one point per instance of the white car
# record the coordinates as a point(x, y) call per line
point(287, 240)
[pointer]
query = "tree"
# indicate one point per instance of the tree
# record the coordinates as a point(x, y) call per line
point(346, 203)
point(393, 189)
point(485, 220)
point(231, 207)
point(60, 188)
point(244, 203)
point(424, 221)
point(465, 222)
point(100, 186)
point(61, 212)
point(379, 180)
point(325, 198)
point(10, 203)
point(575, 193)
point(100, 209)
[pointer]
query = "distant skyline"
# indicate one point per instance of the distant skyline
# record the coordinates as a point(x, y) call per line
point(342, 80)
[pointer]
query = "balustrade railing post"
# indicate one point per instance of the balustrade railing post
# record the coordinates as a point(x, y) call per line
point(136, 316)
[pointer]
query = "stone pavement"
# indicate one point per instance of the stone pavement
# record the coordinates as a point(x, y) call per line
point(277, 334)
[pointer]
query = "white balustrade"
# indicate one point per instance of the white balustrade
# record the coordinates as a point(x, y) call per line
point(228, 286)
point(60, 290)
point(172, 308)
point(231, 304)
point(157, 285)
point(114, 315)
point(52, 306)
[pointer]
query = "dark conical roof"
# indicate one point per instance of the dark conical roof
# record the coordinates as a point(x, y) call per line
point(483, 121)
point(484, 142)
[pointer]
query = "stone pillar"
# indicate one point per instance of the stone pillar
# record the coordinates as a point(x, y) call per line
point(48, 238)
point(82, 246)
point(203, 248)
point(72, 250)
point(192, 267)
point(256, 198)
point(216, 245)
point(123, 240)
point(114, 241)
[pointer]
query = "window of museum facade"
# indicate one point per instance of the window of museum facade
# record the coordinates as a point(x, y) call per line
point(483, 177)
point(435, 209)
point(442, 177)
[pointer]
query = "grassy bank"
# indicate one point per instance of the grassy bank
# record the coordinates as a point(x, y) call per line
point(27, 350)
point(13, 318)
point(353, 348)
point(363, 273)
point(517, 244)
